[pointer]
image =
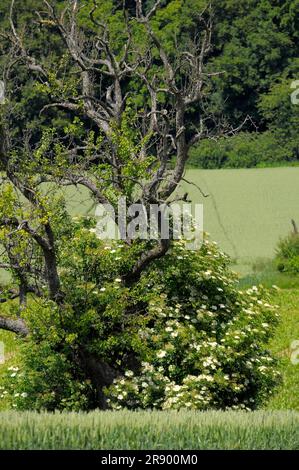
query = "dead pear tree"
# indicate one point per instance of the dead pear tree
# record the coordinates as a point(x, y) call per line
point(131, 102)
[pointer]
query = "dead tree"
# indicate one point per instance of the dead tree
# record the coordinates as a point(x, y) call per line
point(172, 83)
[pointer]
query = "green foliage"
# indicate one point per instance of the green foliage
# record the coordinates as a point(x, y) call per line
point(254, 45)
point(284, 345)
point(22, 90)
point(196, 340)
point(244, 150)
point(286, 397)
point(255, 48)
point(282, 115)
point(206, 348)
point(150, 430)
point(287, 254)
point(11, 345)
point(47, 380)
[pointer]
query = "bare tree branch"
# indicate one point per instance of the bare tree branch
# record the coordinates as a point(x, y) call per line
point(17, 326)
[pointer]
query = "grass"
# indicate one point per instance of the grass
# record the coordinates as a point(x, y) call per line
point(11, 355)
point(287, 396)
point(287, 299)
point(265, 272)
point(150, 430)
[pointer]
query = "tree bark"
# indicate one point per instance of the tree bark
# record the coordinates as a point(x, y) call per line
point(16, 326)
point(101, 375)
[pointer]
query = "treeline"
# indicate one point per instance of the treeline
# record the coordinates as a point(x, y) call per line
point(256, 44)
point(255, 51)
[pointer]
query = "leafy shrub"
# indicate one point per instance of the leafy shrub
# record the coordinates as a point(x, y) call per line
point(48, 380)
point(184, 336)
point(287, 254)
point(206, 349)
point(244, 150)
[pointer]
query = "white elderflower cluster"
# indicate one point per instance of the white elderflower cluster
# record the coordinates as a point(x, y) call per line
point(205, 341)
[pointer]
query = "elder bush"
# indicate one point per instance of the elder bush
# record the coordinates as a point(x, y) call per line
point(183, 336)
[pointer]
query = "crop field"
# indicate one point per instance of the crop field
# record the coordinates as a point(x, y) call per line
point(247, 210)
point(150, 430)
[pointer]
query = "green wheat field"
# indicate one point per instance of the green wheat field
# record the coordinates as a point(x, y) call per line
point(125, 430)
